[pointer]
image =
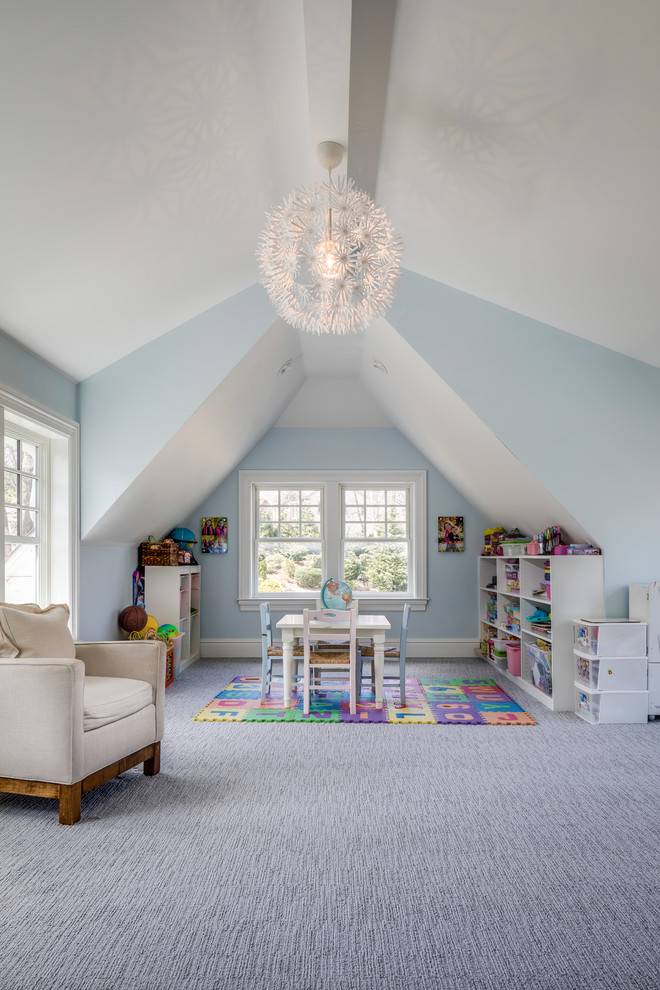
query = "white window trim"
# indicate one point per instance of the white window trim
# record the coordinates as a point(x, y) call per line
point(64, 476)
point(21, 431)
point(249, 480)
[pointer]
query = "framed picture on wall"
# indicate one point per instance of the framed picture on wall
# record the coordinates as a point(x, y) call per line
point(450, 534)
point(214, 534)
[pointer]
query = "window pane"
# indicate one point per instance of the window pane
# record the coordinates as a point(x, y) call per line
point(29, 460)
point(268, 513)
point(376, 567)
point(376, 498)
point(375, 531)
point(289, 567)
point(11, 522)
point(29, 522)
point(268, 530)
point(11, 452)
point(11, 487)
point(21, 575)
point(290, 513)
point(375, 514)
point(289, 497)
point(290, 531)
point(29, 491)
point(311, 531)
point(397, 497)
point(268, 497)
point(395, 530)
point(353, 496)
point(311, 497)
point(354, 529)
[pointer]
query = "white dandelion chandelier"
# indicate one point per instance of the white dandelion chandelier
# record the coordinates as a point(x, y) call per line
point(329, 257)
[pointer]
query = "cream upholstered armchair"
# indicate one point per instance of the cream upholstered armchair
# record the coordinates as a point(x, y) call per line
point(74, 715)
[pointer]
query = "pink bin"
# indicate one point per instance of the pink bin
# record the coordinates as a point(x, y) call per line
point(513, 658)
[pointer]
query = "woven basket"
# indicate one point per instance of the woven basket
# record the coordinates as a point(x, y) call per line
point(159, 554)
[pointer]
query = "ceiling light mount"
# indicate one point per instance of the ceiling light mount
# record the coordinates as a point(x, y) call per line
point(329, 257)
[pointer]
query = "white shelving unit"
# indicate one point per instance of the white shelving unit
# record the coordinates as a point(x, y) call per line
point(610, 670)
point(576, 588)
point(172, 595)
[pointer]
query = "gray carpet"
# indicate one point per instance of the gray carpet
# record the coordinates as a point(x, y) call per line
point(346, 857)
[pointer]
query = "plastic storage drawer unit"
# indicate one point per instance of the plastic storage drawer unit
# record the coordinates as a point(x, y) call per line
point(604, 638)
point(611, 673)
point(599, 707)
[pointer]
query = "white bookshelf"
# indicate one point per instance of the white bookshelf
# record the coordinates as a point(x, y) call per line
point(577, 589)
point(172, 595)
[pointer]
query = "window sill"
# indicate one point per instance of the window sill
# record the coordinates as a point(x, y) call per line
point(388, 603)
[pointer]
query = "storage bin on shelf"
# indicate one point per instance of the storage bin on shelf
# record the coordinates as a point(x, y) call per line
point(514, 549)
point(513, 661)
point(165, 554)
point(611, 673)
point(611, 706)
point(539, 663)
point(497, 652)
point(610, 637)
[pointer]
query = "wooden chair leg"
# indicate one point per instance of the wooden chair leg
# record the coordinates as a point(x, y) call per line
point(152, 764)
point(70, 800)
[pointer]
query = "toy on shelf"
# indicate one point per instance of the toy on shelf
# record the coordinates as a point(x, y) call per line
point(186, 540)
point(492, 541)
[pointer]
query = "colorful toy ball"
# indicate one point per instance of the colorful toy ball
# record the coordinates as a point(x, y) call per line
point(167, 631)
point(133, 618)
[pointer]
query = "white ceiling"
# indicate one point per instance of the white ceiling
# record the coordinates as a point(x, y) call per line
point(514, 144)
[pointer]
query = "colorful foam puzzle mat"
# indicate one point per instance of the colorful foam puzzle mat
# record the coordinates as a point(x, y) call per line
point(448, 701)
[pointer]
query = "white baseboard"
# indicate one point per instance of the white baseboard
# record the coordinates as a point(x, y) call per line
point(239, 649)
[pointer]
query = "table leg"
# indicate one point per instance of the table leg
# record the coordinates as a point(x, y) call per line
point(379, 665)
point(287, 664)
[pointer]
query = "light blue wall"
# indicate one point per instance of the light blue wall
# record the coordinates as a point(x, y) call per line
point(129, 410)
point(22, 372)
point(582, 417)
point(452, 578)
point(106, 587)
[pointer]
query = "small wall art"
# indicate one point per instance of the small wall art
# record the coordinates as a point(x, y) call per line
point(214, 534)
point(450, 534)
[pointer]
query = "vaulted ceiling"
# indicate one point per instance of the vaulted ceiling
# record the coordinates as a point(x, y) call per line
point(514, 143)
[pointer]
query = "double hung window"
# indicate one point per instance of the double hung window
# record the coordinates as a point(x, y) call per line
point(297, 529)
point(39, 481)
point(26, 457)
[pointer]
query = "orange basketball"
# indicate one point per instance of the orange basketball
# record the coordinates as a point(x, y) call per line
point(133, 618)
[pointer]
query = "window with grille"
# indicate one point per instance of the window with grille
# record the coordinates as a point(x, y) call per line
point(39, 480)
point(376, 539)
point(25, 513)
point(299, 528)
point(289, 546)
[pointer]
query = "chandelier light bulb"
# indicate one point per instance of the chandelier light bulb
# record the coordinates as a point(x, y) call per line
point(329, 258)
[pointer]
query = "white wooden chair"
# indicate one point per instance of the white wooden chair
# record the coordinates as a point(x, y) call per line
point(398, 655)
point(271, 651)
point(315, 628)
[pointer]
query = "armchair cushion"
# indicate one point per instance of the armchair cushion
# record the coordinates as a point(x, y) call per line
point(30, 631)
point(107, 699)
